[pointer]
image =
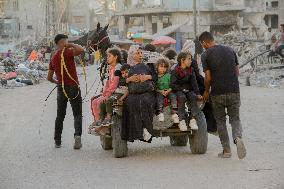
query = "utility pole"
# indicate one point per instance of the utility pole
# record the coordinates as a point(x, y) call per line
point(194, 18)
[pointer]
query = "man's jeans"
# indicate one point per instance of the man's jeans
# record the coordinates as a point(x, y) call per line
point(76, 105)
point(160, 102)
point(231, 102)
point(190, 99)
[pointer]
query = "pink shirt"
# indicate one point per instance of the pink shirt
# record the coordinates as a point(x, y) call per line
point(111, 83)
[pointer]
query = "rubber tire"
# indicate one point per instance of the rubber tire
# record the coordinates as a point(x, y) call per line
point(119, 146)
point(179, 140)
point(199, 139)
point(106, 142)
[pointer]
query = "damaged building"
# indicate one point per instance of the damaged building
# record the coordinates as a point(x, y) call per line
point(176, 17)
point(274, 14)
point(18, 20)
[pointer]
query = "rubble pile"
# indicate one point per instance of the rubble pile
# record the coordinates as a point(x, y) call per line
point(270, 78)
point(258, 73)
point(17, 71)
point(244, 45)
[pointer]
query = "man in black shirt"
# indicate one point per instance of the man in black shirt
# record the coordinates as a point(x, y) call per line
point(221, 68)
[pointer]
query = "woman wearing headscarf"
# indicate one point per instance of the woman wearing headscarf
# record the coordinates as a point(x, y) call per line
point(139, 107)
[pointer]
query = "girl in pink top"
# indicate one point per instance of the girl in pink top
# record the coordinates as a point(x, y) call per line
point(113, 59)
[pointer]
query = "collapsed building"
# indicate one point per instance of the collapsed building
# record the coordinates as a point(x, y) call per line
point(176, 17)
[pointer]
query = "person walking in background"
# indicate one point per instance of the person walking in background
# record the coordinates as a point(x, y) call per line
point(279, 45)
point(221, 68)
point(268, 39)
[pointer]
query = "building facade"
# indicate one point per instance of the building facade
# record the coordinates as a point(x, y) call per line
point(274, 14)
point(39, 19)
point(212, 15)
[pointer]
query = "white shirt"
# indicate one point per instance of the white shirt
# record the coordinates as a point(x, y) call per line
point(267, 37)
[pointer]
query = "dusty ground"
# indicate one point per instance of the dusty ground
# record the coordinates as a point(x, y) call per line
point(28, 159)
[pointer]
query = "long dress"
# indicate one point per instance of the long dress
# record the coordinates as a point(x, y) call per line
point(138, 109)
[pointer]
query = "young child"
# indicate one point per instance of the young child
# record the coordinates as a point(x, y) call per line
point(113, 57)
point(106, 108)
point(164, 91)
point(121, 91)
point(184, 85)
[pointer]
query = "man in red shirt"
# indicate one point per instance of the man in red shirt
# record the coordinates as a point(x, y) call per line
point(67, 87)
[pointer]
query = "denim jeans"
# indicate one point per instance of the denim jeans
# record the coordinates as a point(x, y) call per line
point(190, 99)
point(76, 105)
point(231, 102)
point(160, 102)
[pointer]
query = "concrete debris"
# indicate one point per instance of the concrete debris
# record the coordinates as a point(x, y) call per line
point(257, 71)
point(26, 71)
point(265, 78)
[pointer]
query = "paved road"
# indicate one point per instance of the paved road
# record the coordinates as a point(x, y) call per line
point(28, 159)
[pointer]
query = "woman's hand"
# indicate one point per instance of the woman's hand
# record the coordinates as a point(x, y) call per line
point(144, 78)
point(135, 78)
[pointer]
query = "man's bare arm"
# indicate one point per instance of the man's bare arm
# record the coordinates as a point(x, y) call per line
point(207, 83)
point(238, 70)
point(50, 77)
point(77, 49)
point(207, 80)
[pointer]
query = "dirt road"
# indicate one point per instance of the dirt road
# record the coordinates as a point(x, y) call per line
point(28, 159)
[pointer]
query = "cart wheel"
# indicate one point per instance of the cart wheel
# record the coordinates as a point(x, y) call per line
point(106, 142)
point(199, 139)
point(119, 146)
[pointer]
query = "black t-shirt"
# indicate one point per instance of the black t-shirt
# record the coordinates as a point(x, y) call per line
point(222, 62)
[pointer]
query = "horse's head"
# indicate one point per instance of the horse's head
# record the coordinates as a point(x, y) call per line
point(98, 39)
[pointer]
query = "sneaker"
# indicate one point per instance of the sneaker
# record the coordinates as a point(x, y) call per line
point(146, 135)
point(161, 117)
point(107, 122)
point(77, 143)
point(241, 149)
point(57, 144)
point(182, 125)
point(193, 125)
point(92, 125)
point(175, 118)
point(225, 155)
point(98, 123)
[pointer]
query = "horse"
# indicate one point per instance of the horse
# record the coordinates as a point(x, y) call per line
point(97, 40)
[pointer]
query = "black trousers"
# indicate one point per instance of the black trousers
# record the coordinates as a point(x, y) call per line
point(76, 104)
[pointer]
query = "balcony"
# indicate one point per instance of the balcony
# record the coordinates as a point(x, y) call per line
point(169, 6)
point(272, 9)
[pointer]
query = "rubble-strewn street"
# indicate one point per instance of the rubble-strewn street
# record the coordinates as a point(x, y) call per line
point(28, 158)
point(149, 86)
point(19, 71)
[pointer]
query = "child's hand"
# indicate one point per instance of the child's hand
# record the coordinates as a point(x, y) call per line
point(103, 98)
point(167, 92)
point(120, 100)
point(164, 93)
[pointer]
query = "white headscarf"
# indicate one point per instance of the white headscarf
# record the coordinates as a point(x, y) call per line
point(189, 46)
point(131, 53)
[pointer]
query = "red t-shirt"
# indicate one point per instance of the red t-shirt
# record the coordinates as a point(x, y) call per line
point(55, 65)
